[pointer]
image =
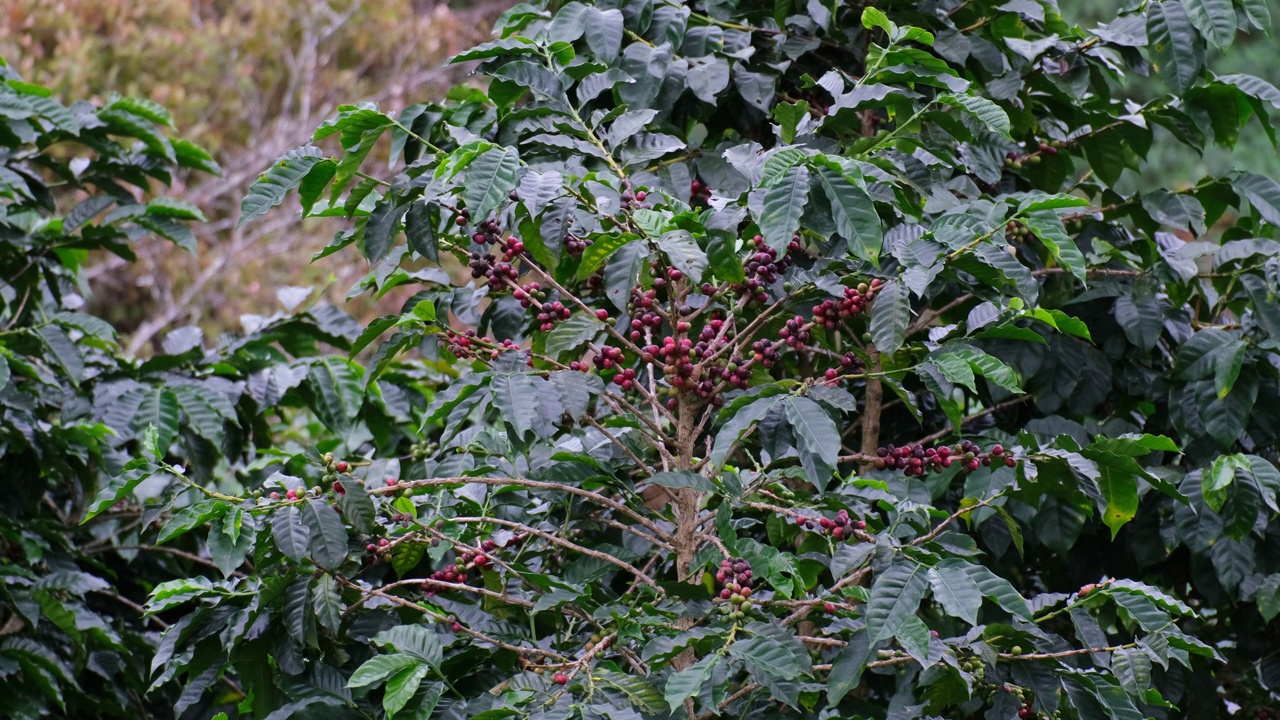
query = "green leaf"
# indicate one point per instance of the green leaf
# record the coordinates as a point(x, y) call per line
point(327, 602)
point(1268, 597)
point(890, 315)
point(1176, 48)
point(846, 671)
point(604, 33)
point(1141, 319)
point(173, 207)
point(1226, 369)
point(623, 272)
point(988, 366)
point(1044, 201)
point(989, 113)
point(270, 189)
point(406, 556)
point(489, 179)
point(190, 518)
point(784, 204)
point(600, 250)
point(789, 115)
point(420, 224)
point(1215, 481)
point(683, 253)
point(1215, 19)
point(688, 682)
point(956, 590)
point(1046, 226)
point(191, 155)
point(357, 506)
point(336, 390)
point(572, 333)
point(997, 588)
point(401, 688)
point(1263, 193)
point(1120, 493)
point(895, 596)
point(765, 656)
point(873, 18)
point(818, 439)
point(121, 122)
point(683, 479)
point(638, 690)
point(328, 543)
point(380, 667)
point(159, 408)
point(232, 538)
point(854, 215)
point(291, 534)
point(516, 397)
point(419, 641)
point(119, 486)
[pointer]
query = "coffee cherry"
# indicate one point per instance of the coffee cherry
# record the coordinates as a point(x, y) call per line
point(829, 608)
point(602, 315)
point(560, 678)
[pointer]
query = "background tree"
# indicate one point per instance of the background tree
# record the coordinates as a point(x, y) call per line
point(814, 366)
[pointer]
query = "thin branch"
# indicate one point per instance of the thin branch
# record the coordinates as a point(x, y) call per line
point(550, 537)
point(524, 482)
point(444, 618)
point(933, 437)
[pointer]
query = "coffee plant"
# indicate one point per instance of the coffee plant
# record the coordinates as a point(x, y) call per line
point(814, 362)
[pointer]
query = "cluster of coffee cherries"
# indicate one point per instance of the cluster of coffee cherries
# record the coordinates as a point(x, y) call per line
point(736, 372)
point(608, 358)
point(1013, 160)
point(678, 358)
point(763, 269)
point(632, 199)
point(918, 460)
point(539, 666)
point(849, 363)
point(765, 353)
point(840, 527)
point(1051, 147)
point(574, 245)
point(468, 345)
point(856, 300)
point(551, 314)
point(496, 272)
point(641, 308)
point(625, 379)
point(455, 573)
point(734, 580)
point(487, 232)
point(422, 450)
point(660, 278)
point(333, 468)
point(795, 333)
point(1016, 233)
point(699, 193)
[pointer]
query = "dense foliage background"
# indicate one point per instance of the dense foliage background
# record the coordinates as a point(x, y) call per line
point(815, 361)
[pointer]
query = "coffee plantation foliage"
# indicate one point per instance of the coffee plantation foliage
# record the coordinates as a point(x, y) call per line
point(811, 366)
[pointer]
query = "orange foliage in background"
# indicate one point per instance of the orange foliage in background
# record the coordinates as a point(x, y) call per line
point(245, 78)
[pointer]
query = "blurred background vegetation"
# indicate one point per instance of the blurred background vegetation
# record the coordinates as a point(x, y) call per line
point(248, 79)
